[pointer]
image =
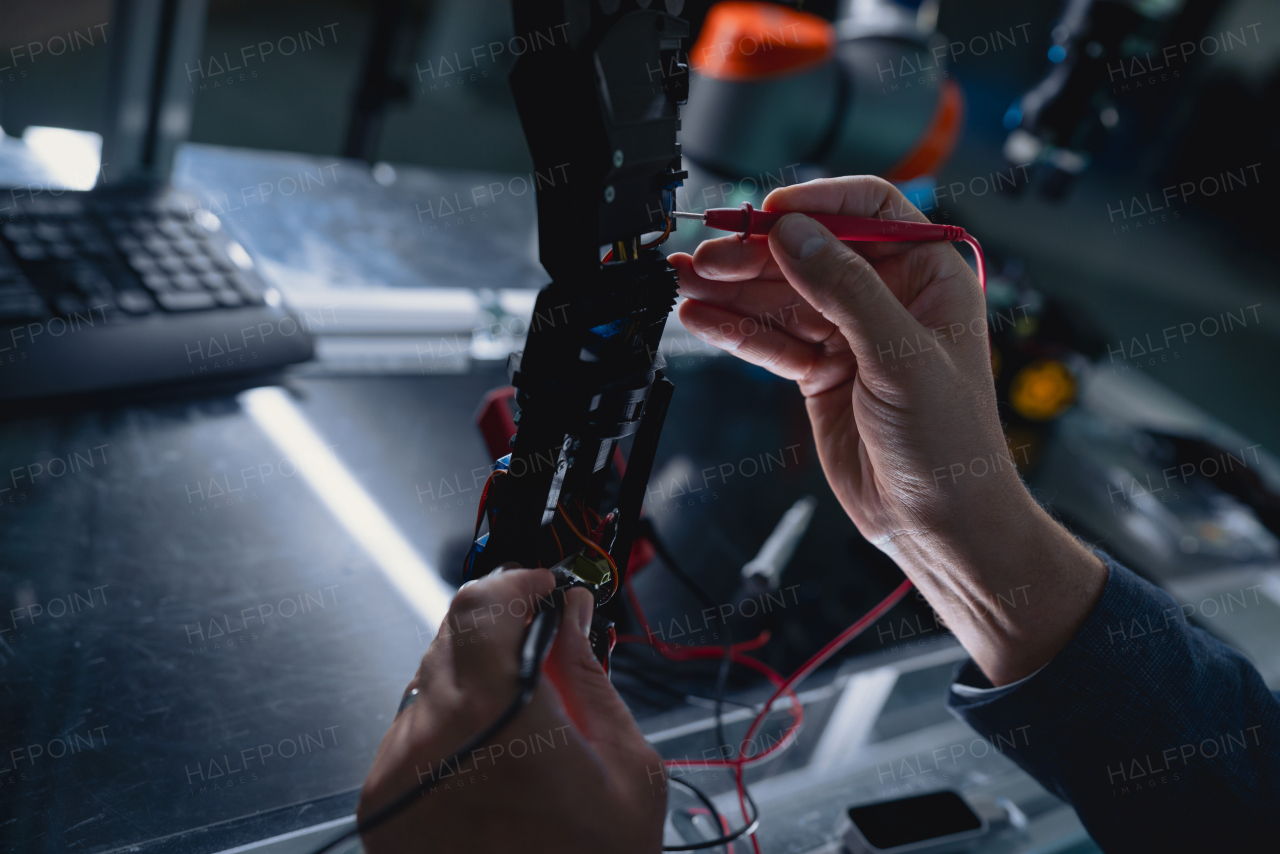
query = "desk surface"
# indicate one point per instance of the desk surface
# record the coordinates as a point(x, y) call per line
point(188, 637)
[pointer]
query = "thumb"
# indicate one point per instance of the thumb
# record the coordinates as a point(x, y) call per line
point(840, 284)
point(590, 700)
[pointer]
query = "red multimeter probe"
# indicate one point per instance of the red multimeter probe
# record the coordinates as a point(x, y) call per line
point(747, 221)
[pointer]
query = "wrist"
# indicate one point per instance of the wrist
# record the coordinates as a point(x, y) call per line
point(1010, 582)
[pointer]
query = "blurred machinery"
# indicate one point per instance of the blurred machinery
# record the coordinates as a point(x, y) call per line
point(1174, 494)
point(1161, 79)
point(1102, 53)
point(869, 94)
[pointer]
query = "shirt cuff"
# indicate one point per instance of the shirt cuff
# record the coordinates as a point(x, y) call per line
point(972, 682)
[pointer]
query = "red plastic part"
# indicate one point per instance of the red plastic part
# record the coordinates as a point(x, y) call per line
point(760, 41)
point(642, 555)
point(496, 422)
point(748, 221)
point(938, 140)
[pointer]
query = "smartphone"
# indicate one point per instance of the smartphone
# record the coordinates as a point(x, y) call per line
point(925, 824)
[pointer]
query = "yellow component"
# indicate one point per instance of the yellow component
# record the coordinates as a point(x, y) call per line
point(591, 569)
point(1043, 390)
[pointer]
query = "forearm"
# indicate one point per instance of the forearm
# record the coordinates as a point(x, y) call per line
point(1014, 588)
point(1146, 725)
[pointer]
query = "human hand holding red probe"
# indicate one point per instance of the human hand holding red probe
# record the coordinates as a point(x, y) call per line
point(888, 343)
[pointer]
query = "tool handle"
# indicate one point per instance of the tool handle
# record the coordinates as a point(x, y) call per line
point(748, 221)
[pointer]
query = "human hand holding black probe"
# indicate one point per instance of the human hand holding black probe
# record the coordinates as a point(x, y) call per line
point(571, 771)
point(888, 344)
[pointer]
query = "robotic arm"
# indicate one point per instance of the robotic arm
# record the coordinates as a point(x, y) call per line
point(599, 106)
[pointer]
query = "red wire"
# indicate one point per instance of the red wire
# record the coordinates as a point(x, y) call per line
point(675, 652)
point(666, 232)
point(787, 685)
point(613, 567)
point(834, 646)
point(480, 512)
point(982, 264)
point(599, 529)
point(484, 499)
point(782, 686)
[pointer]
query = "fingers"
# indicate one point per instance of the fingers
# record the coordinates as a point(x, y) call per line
point(761, 303)
point(907, 267)
point(840, 284)
point(808, 362)
point(852, 195)
point(728, 259)
point(589, 699)
point(486, 620)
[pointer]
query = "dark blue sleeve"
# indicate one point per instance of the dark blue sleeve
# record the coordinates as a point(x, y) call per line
point(1160, 737)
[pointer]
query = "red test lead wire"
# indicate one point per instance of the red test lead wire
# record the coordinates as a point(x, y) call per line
point(782, 687)
point(747, 221)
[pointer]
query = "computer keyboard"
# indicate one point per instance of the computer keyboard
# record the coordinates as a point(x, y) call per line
point(112, 289)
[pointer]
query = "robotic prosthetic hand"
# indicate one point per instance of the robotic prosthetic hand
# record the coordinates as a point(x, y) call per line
point(600, 112)
point(598, 93)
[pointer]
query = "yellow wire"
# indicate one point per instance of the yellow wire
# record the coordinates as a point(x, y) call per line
point(613, 566)
point(666, 232)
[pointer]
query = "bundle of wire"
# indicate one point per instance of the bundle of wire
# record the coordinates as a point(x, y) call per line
point(591, 540)
point(782, 686)
point(619, 249)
